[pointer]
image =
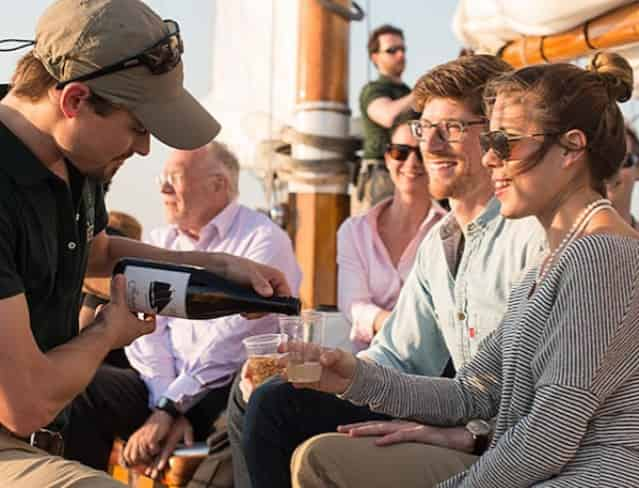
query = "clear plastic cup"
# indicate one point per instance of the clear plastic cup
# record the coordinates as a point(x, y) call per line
point(305, 338)
point(263, 356)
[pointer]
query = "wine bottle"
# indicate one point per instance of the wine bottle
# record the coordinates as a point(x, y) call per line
point(192, 292)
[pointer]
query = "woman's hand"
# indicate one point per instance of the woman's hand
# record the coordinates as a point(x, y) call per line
point(391, 432)
point(338, 370)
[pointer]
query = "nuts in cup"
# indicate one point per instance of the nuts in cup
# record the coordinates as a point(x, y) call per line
point(263, 367)
point(263, 357)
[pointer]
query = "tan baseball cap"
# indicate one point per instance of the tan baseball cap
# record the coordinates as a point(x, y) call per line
point(77, 37)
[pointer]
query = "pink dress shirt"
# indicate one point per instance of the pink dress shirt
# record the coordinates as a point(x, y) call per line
point(182, 358)
point(367, 280)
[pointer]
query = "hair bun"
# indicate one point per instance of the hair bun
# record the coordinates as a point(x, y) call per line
point(616, 73)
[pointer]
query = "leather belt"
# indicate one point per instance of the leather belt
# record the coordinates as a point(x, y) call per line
point(45, 439)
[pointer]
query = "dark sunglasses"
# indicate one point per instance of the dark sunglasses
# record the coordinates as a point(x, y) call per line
point(400, 152)
point(501, 142)
point(630, 160)
point(394, 49)
point(160, 58)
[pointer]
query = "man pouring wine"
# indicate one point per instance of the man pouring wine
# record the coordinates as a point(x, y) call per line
point(100, 78)
point(184, 369)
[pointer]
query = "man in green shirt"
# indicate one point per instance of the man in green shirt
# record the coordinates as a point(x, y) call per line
point(381, 101)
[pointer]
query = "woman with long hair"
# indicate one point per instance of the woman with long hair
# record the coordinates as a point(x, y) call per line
point(561, 372)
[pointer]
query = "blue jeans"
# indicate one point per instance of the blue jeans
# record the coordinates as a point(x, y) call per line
point(277, 419)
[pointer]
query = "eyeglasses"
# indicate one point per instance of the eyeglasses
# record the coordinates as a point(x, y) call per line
point(501, 142)
point(400, 152)
point(160, 58)
point(394, 49)
point(630, 160)
point(447, 130)
point(172, 179)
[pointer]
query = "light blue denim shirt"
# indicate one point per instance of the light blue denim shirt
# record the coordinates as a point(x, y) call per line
point(440, 314)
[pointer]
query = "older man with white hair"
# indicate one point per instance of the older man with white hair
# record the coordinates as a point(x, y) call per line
point(184, 369)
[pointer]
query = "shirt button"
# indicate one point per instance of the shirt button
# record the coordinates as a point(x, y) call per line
point(461, 315)
point(71, 245)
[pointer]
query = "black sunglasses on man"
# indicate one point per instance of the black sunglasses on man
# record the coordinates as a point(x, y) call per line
point(394, 49)
point(160, 58)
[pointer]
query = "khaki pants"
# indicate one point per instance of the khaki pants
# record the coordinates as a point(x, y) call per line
point(23, 466)
point(337, 460)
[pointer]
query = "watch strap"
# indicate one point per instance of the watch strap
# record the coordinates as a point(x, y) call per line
point(169, 406)
point(481, 444)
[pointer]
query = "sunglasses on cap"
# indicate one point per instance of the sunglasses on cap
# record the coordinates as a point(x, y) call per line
point(394, 49)
point(160, 58)
point(630, 160)
point(400, 152)
point(501, 142)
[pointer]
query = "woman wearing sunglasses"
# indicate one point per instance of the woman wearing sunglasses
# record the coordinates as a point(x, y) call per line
point(376, 250)
point(561, 372)
point(619, 187)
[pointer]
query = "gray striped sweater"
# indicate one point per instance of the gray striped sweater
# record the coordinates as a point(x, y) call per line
point(561, 373)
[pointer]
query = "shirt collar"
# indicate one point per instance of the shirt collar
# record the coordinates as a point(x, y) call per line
point(373, 214)
point(219, 225)
point(224, 220)
point(489, 214)
point(387, 79)
point(436, 211)
point(21, 164)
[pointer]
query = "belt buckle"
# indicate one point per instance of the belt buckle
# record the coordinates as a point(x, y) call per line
point(47, 440)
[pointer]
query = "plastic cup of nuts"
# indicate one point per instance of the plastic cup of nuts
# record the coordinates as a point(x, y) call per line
point(263, 356)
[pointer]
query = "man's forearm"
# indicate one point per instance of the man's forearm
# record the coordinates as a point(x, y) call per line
point(402, 105)
point(65, 371)
point(119, 247)
point(383, 111)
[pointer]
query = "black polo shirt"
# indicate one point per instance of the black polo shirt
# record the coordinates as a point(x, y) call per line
point(45, 231)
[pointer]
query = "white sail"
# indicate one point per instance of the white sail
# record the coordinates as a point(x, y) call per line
point(253, 72)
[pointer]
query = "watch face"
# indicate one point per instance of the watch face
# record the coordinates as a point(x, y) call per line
point(167, 405)
point(478, 427)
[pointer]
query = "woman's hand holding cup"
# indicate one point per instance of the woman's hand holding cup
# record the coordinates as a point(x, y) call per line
point(338, 368)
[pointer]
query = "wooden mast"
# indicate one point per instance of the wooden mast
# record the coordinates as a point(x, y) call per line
point(613, 29)
point(320, 204)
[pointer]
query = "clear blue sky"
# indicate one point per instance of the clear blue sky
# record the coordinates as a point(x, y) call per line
point(428, 35)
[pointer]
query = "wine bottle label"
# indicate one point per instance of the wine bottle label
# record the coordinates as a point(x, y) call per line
point(156, 291)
